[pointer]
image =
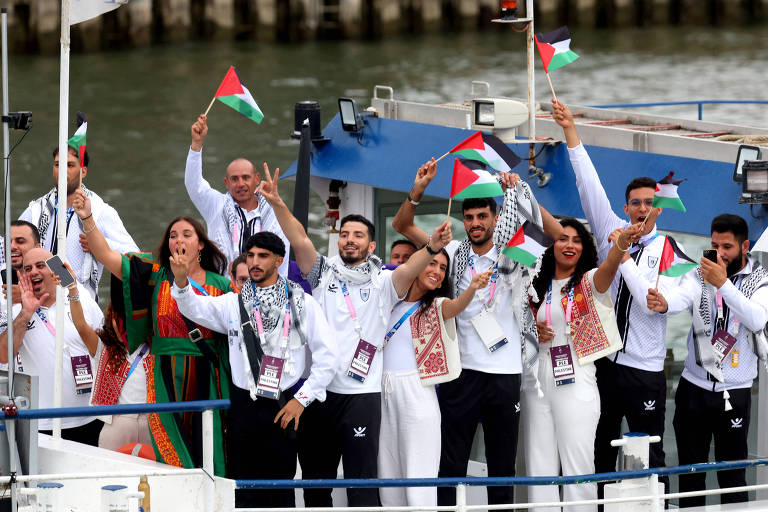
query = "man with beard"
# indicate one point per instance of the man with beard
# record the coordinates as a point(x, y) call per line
point(357, 297)
point(233, 217)
point(24, 236)
point(488, 389)
point(631, 382)
point(274, 330)
point(42, 214)
point(729, 303)
point(34, 344)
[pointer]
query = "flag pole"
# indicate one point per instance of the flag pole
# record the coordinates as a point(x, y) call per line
point(445, 155)
point(209, 106)
point(448, 215)
point(657, 281)
point(550, 86)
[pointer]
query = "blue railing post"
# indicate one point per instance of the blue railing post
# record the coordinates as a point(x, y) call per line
point(701, 110)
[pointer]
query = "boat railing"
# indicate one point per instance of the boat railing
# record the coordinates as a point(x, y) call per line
point(699, 103)
point(654, 500)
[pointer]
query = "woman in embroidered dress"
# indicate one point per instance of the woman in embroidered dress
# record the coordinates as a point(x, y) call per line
point(415, 360)
point(191, 362)
point(559, 426)
point(120, 378)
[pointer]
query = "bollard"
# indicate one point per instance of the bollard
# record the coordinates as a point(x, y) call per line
point(49, 496)
point(634, 455)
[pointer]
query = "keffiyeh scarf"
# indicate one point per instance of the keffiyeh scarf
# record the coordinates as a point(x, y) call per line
point(235, 227)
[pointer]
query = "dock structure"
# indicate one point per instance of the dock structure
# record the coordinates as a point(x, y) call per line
point(34, 23)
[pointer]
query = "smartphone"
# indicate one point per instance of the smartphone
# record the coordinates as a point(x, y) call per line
point(57, 267)
point(14, 276)
point(711, 255)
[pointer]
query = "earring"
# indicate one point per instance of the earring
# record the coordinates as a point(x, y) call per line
point(198, 257)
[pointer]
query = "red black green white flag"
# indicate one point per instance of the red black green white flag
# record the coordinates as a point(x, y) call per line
point(78, 139)
point(487, 149)
point(527, 245)
point(470, 179)
point(233, 93)
point(555, 49)
point(674, 262)
point(666, 193)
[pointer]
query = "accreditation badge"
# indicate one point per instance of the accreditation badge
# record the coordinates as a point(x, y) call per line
point(362, 361)
point(489, 330)
point(562, 365)
point(722, 343)
point(82, 373)
point(268, 385)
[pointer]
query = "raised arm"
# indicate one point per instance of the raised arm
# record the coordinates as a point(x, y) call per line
point(453, 307)
point(97, 244)
point(551, 226)
point(86, 332)
point(617, 253)
point(403, 275)
point(206, 199)
point(403, 221)
point(29, 304)
point(303, 248)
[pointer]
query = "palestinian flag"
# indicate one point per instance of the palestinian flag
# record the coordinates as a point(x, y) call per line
point(555, 49)
point(666, 193)
point(674, 262)
point(470, 179)
point(489, 150)
point(78, 139)
point(233, 93)
point(527, 245)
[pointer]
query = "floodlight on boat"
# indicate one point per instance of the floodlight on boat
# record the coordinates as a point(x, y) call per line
point(755, 184)
point(499, 114)
point(745, 153)
point(350, 115)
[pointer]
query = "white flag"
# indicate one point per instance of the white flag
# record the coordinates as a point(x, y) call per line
point(82, 10)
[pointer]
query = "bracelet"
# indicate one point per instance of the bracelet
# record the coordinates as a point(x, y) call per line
point(86, 231)
point(619, 248)
point(414, 203)
point(76, 298)
point(88, 217)
point(429, 249)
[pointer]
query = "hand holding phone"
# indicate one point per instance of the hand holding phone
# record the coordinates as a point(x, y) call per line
point(711, 255)
point(57, 267)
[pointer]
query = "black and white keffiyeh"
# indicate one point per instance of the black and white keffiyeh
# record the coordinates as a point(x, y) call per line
point(234, 221)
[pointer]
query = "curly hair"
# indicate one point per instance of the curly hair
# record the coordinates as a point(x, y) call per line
point(115, 341)
point(587, 261)
point(211, 258)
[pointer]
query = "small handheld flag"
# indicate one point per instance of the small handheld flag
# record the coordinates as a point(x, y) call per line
point(666, 193)
point(674, 262)
point(555, 49)
point(470, 179)
point(78, 139)
point(487, 149)
point(527, 245)
point(233, 93)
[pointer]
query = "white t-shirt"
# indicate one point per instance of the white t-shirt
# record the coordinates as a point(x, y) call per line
point(474, 354)
point(399, 354)
point(369, 303)
point(37, 356)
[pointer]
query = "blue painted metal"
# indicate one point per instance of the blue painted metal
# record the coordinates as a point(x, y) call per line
point(699, 103)
point(391, 151)
point(105, 410)
point(496, 481)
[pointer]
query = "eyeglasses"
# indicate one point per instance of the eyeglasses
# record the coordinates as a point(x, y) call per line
point(635, 203)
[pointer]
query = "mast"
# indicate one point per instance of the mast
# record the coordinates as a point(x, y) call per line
point(61, 220)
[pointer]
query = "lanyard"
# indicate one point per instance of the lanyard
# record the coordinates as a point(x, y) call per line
point(286, 318)
point(48, 324)
point(136, 360)
point(197, 287)
point(720, 322)
point(494, 278)
point(351, 308)
point(568, 309)
point(400, 322)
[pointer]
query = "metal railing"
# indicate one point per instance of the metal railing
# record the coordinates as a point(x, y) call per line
point(655, 498)
point(699, 103)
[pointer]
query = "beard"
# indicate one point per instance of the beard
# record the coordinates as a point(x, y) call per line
point(351, 260)
point(734, 266)
point(266, 274)
point(486, 236)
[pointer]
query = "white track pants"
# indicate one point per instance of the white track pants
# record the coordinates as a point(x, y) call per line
point(559, 433)
point(125, 429)
point(409, 442)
